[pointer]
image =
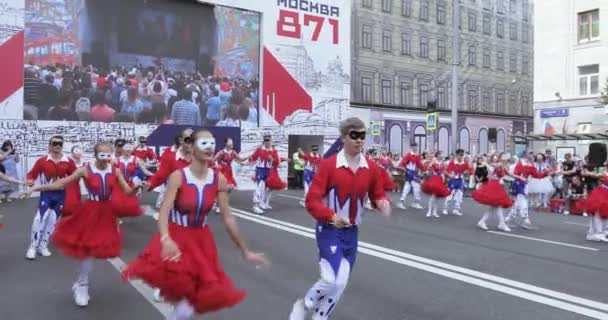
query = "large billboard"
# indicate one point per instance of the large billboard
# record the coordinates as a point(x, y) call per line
point(135, 61)
point(278, 66)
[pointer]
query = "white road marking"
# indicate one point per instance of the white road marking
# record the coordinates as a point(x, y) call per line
point(544, 240)
point(511, 287)
point(142, 288)
point(290, 197)
point(577, 223)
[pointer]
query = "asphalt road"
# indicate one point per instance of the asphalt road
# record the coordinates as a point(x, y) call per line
point(409, 268)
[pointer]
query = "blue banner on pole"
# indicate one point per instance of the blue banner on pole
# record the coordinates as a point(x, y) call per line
point(554, 113)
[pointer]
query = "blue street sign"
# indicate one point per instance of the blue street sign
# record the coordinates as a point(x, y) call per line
point(554, 113)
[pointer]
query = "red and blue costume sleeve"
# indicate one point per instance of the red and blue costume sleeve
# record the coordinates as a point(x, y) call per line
point(318, 190)
point(167, 166)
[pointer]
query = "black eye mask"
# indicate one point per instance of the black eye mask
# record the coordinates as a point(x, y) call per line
point(357, 135)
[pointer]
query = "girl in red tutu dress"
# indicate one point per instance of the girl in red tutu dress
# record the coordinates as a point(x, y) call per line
point(596, 206)
point(434, 185)
point(182, 260)
point(274, 181)
point(385, 163)
point(91, 231)
point(224, 159)
point(76, 190)
point(491, 193)
point(128, 205)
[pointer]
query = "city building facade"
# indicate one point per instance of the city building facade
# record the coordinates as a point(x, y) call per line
point(402, 60)
point(571, 70)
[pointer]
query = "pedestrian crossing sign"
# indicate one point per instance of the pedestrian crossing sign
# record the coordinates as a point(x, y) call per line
point(376, 128)
point(431, 121)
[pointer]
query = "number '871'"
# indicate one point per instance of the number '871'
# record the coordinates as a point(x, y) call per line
point(289, 25)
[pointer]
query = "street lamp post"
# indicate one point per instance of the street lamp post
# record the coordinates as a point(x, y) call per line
point(455, 66)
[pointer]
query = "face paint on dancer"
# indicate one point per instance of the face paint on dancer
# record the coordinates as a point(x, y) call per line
point(127, 150)
point(204, 146)
point(76, 152)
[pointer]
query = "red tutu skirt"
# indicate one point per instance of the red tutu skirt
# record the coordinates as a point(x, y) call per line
point(228, 174)
point(435, 186)
point(90, 231)
point(578, 207)
point(597, 202)
point(72, 199)
point(387, 183)
point(198, 275)
point(274, 182)
point(125, 205)
point(492, 194)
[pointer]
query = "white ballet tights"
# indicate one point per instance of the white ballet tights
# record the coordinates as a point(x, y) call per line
point(497, 212)
point(84, 269)
point(182, 311)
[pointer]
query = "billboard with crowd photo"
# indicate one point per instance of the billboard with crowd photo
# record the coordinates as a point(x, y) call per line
point(90, 69)
point(153, 61)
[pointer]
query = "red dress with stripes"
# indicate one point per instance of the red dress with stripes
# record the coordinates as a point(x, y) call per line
point(198, 275)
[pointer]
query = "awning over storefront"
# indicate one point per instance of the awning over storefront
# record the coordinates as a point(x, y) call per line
point(561, 137)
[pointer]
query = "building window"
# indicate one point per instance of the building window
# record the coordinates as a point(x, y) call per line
point(406, 8)
point(387, 92)
point(395, 143)
point(513, 62)
point(366, 37)
point(513, 104)
point(588, 26)
point(441, 50)
point(483, 140)
point(386, 40)
point(487, 24)
point(464, 139)
point(513, 31)
point(500, 140)
point(472, 22)
point(500, 61)
point(500, 6)
point(424, 10)
point(367, 4)
point(440, 13)
point(500, 27)
point(524, 105)
point(460, 17)
point(472, 55)
point(487, 5)
point(366, 89)
point(524, 10)
point(525, 64)
point(442, 101)
point(525, 33)
point(420, 137)
point(500, 102)
point(473, 98)
point(588, 80)
point(406, 44)
point(443, 139)
point(423, 94)
point(513, 6)
point(406, 93)
point(486, 101)
point(487, 60)
point(424, 47)
point(386, 5)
